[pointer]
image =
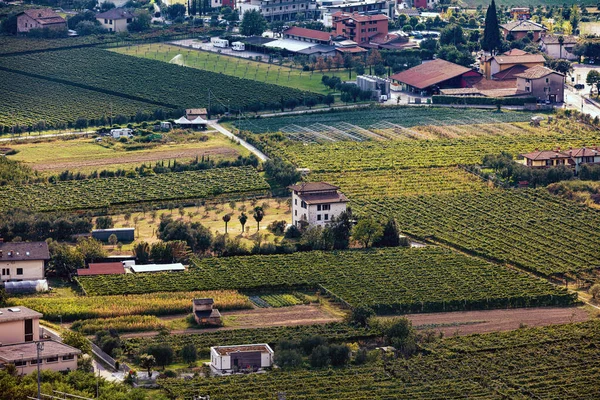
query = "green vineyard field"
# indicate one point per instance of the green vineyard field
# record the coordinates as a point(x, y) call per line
point(553, 363)
point(104, 192)
point(389, 280)
point(27, 100)
point(528, 228)
point(147, 80)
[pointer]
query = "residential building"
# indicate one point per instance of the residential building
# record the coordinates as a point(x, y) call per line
point(542, 83)
point(23, 261)
point(519, 29)
point(550, 44)
point(115, 19)
point(241, 357)
point(359, 28)
point(281, 10)
point(520, 13)
point(19, 338)
point(425, 4)
point(363, 7)
point(493, 65)
point(40, 18)
point(205, 313)
point(307, 35)
point(316, 203)
point(431, 76)
point(571, 158)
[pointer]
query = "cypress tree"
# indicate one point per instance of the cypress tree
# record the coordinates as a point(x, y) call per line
point(491, 33)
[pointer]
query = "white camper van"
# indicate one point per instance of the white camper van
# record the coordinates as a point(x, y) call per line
point(238, 46)
point(119, 133)
point(216, 42)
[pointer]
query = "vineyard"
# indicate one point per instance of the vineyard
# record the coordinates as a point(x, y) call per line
point(551, 363)
point(389, 280)
point(392, 154)
point(104, 192)
point(163, 84)
point(401, 182)
point(157, 304)
point(404, 116)
point(335, 332)
point(27, 100)
point(129, 323)
point(233, 66)
point(529, 228)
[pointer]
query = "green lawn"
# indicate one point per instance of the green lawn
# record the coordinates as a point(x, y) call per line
point(242, 68)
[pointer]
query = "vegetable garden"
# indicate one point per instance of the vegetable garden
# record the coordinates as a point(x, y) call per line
point(389, 280)
point(104, 192)
point(528, 228)
point(523, 364)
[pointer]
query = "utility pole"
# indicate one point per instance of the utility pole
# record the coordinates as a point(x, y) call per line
point(39, 347)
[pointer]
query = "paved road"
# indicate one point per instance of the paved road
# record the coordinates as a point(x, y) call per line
point(578, 100)
point(261, 156)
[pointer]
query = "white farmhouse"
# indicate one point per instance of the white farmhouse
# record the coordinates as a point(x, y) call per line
point(23, 261)
point(245, 356)
point(316, 203)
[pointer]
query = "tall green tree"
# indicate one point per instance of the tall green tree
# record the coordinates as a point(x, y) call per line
point(253, 23)
point(491, 33)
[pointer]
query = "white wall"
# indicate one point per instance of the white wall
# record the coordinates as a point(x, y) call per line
point(266, 360)
point(553, 50)
point(311, 212)
point(13, 332)
point(32, 269)
point(116, 25)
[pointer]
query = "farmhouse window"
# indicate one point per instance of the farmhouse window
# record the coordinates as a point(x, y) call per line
point(318, 217)
point(105, 21)
point(69, 357)
point(19, 271)
point(303, 204)
point(33, 362)
point(318, 207)
point(326, 207)
point(20, 363)
point(326, 217)
point(129, 20)
point(296, 213)
point(51, 360)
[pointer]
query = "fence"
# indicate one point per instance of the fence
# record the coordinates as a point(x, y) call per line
point(108, 359)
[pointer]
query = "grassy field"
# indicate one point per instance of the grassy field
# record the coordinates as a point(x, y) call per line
point(86, 155)
point(242, 68)
point(210, 216)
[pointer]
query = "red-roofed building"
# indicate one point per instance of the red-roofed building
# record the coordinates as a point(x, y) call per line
point(307, 35)
point(112, 268)
point(433, 75)
point(359, 28)
point(39, 19)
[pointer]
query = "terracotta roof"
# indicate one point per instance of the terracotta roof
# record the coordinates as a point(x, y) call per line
point(553, 39)
point(313, 187)
point(116, 13)
point(383, 38)
point(523, 26)
point(195, 111)
point(324, 198)
point(515, 52)
point(520, 59)
point(308, 33)
point(21, 251)
point(584, 152)
point(23, 313)
point(226, 350)
point(545, 155)
point(537, 72)
point(482, 83)
point(28, 351)
point(341, 15)
point(354, 49)
point(430, 73)
point(461, 92)
point(510, 73)
point(113, 268)
point(44, 16)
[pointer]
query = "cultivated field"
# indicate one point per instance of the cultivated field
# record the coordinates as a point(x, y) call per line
point(389, 280)
point(233, 66)
point(551, 363)
point(87, 155)
point(529, 228)
point(155, 82)
point(26, 101)
point(106, 192)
